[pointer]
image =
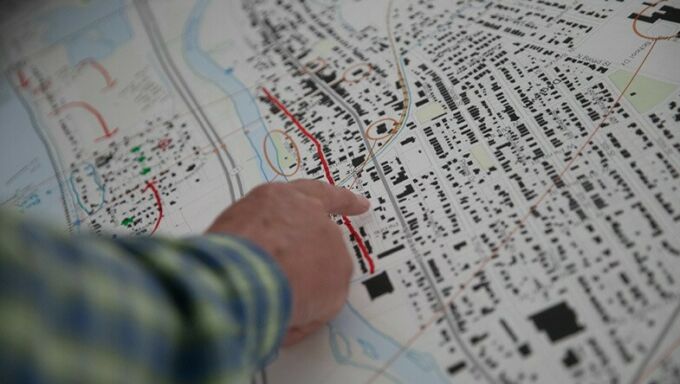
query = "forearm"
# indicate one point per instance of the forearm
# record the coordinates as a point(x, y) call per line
point(152, 310)
point(232, 299)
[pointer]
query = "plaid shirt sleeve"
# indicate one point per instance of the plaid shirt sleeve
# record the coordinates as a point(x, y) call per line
point(89, 309)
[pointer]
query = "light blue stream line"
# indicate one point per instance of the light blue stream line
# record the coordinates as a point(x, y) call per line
point(203, 64)
point(100, 186)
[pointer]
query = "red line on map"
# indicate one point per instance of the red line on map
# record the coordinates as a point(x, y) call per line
point(110, 82)
point(92, 110)
point(23, 79)
point(327, 171)
point(42, 87)
point(159, 204)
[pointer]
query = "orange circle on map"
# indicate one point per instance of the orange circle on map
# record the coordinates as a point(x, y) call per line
point(653, 38)
point(357, 72)
point(374, 125)
point(316, 65)
point(293, 145)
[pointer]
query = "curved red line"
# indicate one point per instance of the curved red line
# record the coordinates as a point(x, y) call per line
point(360, 242)
point(329, 177)
point(89, 108)
point(99, 68)
point(157, 196)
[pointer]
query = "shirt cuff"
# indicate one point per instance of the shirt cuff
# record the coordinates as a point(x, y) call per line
point(268, 283)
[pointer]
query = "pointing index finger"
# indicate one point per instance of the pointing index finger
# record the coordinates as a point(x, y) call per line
point(336, 200)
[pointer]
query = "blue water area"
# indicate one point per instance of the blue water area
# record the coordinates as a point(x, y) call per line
point(224, 78)
point(93, 29)
point(27, 179)
point(351, 329)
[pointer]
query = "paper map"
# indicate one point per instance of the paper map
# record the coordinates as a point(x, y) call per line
point(522, 158)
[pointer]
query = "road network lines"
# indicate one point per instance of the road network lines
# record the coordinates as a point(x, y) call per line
point(327, 172)
point(405, 109)
point(522, 221)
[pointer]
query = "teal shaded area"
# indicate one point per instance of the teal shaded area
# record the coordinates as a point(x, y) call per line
point(92, 30)
point(27, 179)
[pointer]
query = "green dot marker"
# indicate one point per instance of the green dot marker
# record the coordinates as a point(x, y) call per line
point(136, 149)
point(127, 221)
point(141, 159)
point(145, 171)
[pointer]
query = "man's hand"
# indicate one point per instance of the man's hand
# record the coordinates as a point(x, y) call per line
point(292, 222)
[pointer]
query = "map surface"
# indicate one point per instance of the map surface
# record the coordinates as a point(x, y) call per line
point(522, 158)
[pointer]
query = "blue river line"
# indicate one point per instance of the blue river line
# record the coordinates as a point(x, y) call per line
point(244, 102)
point(409, 367)
point(91, 171)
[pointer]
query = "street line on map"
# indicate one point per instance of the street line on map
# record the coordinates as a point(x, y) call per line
point(519, 225)
point(327, 172)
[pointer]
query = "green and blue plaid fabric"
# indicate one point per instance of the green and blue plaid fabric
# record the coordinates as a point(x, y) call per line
point(90, 309)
